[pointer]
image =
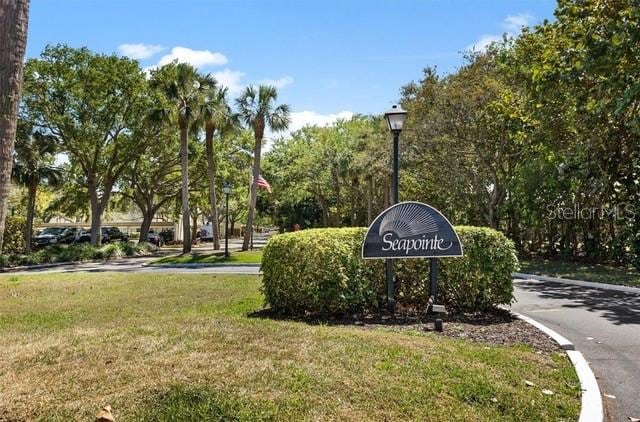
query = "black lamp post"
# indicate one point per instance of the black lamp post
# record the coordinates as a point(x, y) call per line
point(395, 118)
point(227, 191)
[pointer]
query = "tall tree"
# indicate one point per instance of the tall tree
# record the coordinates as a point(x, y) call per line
point(257, 109)
point(184, 89)
point(14, 17)
point(91, 103)
point(34, 164)
point(153, 179)
point(217, 118)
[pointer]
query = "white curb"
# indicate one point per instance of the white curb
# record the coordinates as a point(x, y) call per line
point(591, 402)
point(563, 342)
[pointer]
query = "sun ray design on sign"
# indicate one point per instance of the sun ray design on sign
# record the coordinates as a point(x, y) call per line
point(407, 221)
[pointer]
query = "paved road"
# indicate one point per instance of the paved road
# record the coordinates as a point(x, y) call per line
point(603, 324)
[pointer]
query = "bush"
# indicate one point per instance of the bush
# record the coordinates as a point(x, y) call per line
point(320, 271)
point(14, 228)
point(77, 253)
point(317, 270)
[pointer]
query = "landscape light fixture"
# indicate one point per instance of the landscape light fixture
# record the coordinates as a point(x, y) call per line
point(395, 118)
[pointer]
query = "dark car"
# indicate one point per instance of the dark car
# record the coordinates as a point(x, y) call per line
point(48, 237)
point(109, 234)
point(155, 238)
point(113, 234)
point(167, 235)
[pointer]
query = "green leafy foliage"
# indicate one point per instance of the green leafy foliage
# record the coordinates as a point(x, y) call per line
point(76, 253)
point(14, 234)
point(320, 271)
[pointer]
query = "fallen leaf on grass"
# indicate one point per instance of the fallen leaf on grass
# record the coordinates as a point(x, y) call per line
point(547, 392)
point(494, 400)
point(105, 415)
point(529, 383)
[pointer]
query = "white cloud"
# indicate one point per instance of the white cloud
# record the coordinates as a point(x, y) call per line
point(196, 58)
point(278, 83)
point(231, 79)
point(139, 51)
point(512, 24)
point(301, 119)
point(484, 42)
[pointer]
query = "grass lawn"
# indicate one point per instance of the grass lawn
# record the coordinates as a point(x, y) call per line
point(182, 347)
point(580, 271)
point(237, 257)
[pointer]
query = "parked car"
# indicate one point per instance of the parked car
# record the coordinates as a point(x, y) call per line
point(155, 238)
point(109, 234)
point(113, 234)
point(167, 235)
point(48, 237)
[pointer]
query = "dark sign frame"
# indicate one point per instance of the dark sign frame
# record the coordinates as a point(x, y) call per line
point(410, 221)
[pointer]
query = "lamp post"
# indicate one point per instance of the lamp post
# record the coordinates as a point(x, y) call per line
point(227, 191)
point(395, 118)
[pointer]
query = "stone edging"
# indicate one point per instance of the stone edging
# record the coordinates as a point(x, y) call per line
point(591, 402)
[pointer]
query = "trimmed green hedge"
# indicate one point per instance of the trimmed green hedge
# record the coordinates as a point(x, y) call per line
point(320, 271)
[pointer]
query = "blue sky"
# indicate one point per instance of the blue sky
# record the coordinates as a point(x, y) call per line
point(330, 58)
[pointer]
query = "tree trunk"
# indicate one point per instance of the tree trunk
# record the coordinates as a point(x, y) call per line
point(96, 212)
point(211, 172)
point(31, 206)
point(14, 16)
point(184, 164)
point(194, 227)
point(254, 191)
point(147, 217)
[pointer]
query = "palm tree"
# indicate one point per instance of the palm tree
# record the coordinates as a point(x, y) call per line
point(216, 115)
point(14, 16)
point(184, 89)
point(257, 110)
point(33, 166)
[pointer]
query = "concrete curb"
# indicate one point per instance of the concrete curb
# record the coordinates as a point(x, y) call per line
point(64, 264)
point(591, 284)
point(592, 409)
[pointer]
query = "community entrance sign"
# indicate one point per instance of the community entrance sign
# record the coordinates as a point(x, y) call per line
point(411, 230)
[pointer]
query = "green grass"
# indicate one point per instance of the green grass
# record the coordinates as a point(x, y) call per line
point(183, 347)
point(237, 257)
point(580, 271)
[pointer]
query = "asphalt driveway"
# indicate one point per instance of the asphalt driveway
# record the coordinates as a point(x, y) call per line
point(603, 324)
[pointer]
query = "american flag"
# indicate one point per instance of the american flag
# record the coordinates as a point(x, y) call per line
point(262, 183)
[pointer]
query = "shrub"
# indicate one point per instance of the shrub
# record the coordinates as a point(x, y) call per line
point(14, 234)
point(320, 271)
point(77, 253)
point(317, 270)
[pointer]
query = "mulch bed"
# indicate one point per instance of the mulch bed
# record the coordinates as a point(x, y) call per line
point(497, 327)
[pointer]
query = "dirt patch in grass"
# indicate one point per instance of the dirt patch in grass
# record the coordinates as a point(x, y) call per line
point(498, 327)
